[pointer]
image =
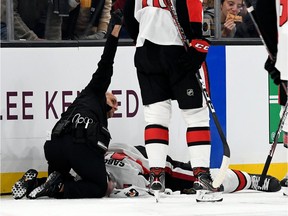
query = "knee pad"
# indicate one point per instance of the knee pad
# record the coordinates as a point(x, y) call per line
point(158, 113)
point(196, 117)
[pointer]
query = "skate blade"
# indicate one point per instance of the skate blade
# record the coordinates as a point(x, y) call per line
point(157, 195)
point(208, 196)
point(285, 191)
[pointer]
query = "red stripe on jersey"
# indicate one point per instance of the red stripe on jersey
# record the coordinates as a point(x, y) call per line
point(145, 170)
point(198, 136)
point(194, 10)
point(156, 3)
point(180, 175)
point(284, 16)
point(156, 133)
point(242, 180)
point(118, 156)
point(144, 3)
point(122, 156)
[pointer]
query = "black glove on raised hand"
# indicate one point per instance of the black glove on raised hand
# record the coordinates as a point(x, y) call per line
point(195, 56)
point(117, 17)
point(272, 70)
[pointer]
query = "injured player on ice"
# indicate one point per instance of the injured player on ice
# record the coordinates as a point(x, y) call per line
point(128, 169)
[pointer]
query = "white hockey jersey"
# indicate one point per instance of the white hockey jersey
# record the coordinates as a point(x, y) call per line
point(126, 165)
point(282, 56)
point(156, 24)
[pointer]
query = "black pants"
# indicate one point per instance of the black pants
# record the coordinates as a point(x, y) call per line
point(63, 154)
point(162, 77)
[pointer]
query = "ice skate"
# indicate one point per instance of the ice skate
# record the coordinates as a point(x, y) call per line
point(271, 184)
point(157, 181)
point(284, 185)
point(50, 188)
point(25, 185)
point(205, 192)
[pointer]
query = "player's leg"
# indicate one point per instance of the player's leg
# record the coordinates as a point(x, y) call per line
point(237, 180)
point(157, 116)
point(153, 76)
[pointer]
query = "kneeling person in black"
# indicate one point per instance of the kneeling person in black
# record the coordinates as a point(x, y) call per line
point(80, 138)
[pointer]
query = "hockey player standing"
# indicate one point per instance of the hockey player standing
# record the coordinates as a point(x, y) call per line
point(281, 62)
point(167, 72)
point(271, 18)
point(282, 65)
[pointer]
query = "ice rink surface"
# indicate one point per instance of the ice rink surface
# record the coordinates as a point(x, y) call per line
point(246, 203)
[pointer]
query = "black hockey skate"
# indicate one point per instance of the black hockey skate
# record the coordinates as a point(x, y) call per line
point(271, 184)
point(157, 181)
point(50, 188)
point(284, 184)
point(25, 185)
point(203, 186)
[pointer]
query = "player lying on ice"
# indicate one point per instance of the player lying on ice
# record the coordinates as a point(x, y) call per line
point(128, 168)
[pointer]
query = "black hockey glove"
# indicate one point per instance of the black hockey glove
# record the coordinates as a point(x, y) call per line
point(272, 70)
point(117, 17)
point(195, 56)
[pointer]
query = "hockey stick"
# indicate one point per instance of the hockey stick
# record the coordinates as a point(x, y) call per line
point(226, 150)
point(253, 17)
point(273, 146)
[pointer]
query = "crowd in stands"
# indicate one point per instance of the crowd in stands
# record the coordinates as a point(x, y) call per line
point(89, 19)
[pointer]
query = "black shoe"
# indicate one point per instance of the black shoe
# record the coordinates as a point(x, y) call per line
point(50, 188)
point(157, 179)
point(25, 185)
point(271, 184)
point(204, 181)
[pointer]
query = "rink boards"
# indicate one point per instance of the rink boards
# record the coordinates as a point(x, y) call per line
point(37, 85)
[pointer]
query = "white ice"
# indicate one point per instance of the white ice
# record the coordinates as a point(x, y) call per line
point(246, 203)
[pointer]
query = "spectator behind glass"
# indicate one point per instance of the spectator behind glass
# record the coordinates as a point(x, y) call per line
point(89, 20)
point(208, 18)
point(3, 21)
point(57, 9)
point(230, 18)
point(247, 28)
point(29, 19)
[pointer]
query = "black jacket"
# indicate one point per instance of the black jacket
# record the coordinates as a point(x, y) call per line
point(91, 102)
